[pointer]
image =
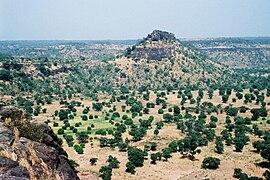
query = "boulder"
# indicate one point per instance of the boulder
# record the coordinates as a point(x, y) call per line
point(45, 158)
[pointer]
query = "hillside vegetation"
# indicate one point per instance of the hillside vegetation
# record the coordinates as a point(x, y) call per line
point(160, 109)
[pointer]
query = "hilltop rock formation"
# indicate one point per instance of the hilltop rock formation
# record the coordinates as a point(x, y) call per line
point(30, 151)
point(161, 61)
point(158, 35)
point(156, 46)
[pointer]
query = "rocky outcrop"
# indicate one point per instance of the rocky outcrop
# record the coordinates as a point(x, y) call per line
point(22, 156)
point(151, 53)
point(158, 35)
point(11, 170)
point(156, 46)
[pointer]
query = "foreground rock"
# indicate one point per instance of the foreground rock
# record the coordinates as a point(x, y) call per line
point(30, 151)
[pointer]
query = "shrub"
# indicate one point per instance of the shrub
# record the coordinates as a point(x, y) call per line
point(210, 163)
point(74, 130)
point(31, 131)
point(136, 156)
point(160, 111)
point(60, 131)
point(113, 162)
point(93, 161)
point(213, 118)
point(239, 174)
point(78, 149)
point(101, 132)
point(84, 117)
point(154, 158)
point(73, 163)
point(55, 124)
point(106, 172)
point(130, 167)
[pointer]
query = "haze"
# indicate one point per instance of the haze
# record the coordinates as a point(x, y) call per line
point(131, 19)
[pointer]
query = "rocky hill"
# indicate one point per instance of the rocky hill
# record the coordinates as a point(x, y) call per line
point(156, 46)
point(161, 60)
point(237, 52)
point(30, 151)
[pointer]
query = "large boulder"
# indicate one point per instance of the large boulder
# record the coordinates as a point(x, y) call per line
point(23, 156)
point(10, 112)
point(11, 170)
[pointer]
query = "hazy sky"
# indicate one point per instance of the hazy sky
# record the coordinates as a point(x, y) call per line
point(131, 19)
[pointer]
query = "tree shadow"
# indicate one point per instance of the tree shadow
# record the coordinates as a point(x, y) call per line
point(263, 164)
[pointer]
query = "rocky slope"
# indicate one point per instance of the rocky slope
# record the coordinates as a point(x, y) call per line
point(237, 52)
point(30, 151)
point(161, 60)
point(156, 46)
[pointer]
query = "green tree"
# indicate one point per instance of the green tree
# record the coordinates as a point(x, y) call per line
point(210, 163)
point(93, 161)
point(113, 162)
point(106, 172)
point(225, 98)
point(176, 110)
point(166, 153)
point(154, 158)
point(130, 167)
point(219, 148)
point(136, 156)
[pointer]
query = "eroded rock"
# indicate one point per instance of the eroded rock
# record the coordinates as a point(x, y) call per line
point(24, 158)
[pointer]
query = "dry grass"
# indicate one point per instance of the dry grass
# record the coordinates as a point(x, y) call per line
point(176, 167)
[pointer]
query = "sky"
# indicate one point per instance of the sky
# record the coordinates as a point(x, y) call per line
point(131, 19)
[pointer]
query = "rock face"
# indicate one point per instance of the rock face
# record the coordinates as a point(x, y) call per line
point(156, 46)
point(10, 169)
point(158, 35)
point(23, 157)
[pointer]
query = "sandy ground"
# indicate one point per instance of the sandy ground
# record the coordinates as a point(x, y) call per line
point(176, 167)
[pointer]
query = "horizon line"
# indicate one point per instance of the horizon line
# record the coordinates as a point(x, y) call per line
point(183, 38)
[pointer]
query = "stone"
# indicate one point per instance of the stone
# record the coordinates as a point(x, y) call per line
point(10, 169)
point(45, 159)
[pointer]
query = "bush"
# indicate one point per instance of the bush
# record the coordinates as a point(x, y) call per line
point(154, 158)
point(101, 132)
point(60, 131)
point(128, 122)
point(239, 174)
point(55, 124)
point(214, 119)
point(78, 149)
point(85, 111)
point(113, 162)
point(160, 111)
point(84, 118)
point(69, 138)
point(73, 163)
point(106, 172)
point(243, 109)
point(93, 161)
point(30, 131)
point(136, 156)
point(130, 167)
point(210, 163)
